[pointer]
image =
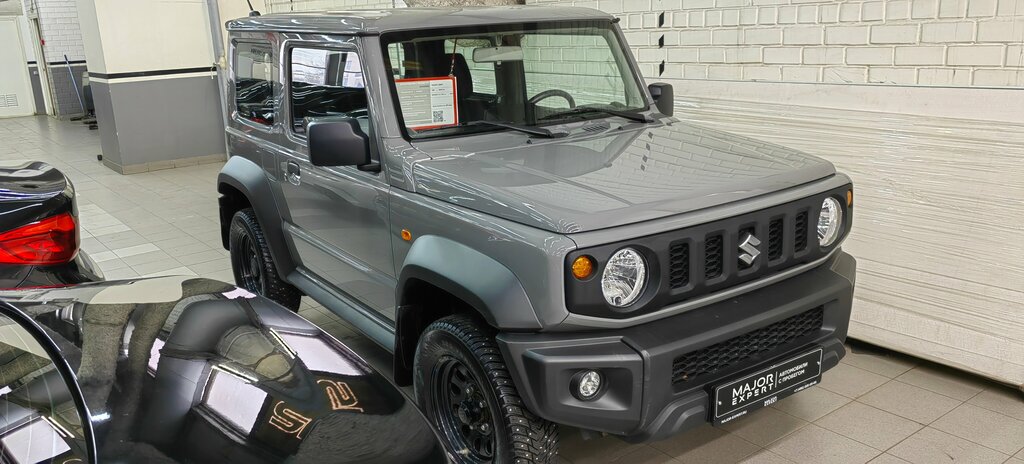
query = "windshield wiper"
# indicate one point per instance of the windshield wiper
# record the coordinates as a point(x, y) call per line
point(639, 117)
point(516, 127)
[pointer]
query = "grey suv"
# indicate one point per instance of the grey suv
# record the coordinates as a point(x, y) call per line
point(495, 196)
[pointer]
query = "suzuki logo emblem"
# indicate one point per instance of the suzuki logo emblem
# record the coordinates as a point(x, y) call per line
point(749, 248)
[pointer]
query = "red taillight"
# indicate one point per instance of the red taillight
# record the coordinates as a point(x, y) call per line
point(53, 240)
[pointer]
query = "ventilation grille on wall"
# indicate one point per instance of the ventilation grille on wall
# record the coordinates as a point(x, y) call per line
point(8, 100)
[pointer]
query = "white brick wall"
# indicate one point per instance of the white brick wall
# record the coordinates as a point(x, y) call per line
point(960, 43)
point(58, 24)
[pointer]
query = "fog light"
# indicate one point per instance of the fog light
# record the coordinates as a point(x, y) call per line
point(586, 385)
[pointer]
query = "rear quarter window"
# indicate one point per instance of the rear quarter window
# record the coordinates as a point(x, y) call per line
point(256, 83)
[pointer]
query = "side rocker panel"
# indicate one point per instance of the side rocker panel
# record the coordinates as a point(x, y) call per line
point(249, 178)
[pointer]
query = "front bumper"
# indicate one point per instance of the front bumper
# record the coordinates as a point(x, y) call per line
point(641, 401)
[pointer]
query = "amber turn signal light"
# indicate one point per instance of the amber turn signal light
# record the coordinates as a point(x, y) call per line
point(406, 235)
point(849, 198)
point(583, 267)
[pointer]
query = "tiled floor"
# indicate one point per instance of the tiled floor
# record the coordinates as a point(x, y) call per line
point(876, 406)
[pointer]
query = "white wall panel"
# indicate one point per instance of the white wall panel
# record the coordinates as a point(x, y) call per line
point(146, 35)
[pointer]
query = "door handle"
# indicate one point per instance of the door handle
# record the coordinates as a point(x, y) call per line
point(292, 173)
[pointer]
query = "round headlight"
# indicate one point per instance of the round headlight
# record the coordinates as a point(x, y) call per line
point(624, 277)
point(830, 221)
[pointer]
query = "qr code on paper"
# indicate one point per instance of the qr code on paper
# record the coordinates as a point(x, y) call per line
point(438, 116)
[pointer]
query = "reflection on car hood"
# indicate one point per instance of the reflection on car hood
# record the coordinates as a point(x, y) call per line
point(606, 175)
point(186, 369)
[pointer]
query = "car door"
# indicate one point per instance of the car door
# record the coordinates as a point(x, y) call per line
point(338, 215)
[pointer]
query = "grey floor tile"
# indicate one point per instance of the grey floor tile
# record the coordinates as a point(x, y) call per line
point(887, 459)
point(706, 444)
point(765, 457)
point(112, 265)
point(812, 403)
point(914, 403)
point(874, 359)
point(765, 426)
point(851, 381)
point(1001, 399)
point(1001, 433)
point(1014, 460)
point(101, 256)
point(930, 446)
point(944, 381)
point(148, 257)
point(813, 444)
point(210, 267)
point(119, 274)
point(156, 266)
point(871, 426)
point(135, 250)
point(641, 455)
point(201, 257)
point(172, 272)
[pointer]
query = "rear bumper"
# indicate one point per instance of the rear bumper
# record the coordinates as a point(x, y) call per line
point(79, 270)
point(641, 401)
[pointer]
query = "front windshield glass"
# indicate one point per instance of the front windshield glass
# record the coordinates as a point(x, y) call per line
point(455, 81)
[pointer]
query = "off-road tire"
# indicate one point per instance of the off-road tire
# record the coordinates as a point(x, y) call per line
point(521, 436)
point(246, 229)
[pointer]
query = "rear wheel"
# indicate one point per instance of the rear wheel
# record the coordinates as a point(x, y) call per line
point(252, 263)
point(463, 385)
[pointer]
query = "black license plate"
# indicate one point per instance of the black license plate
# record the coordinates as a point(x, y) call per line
point(766, 386)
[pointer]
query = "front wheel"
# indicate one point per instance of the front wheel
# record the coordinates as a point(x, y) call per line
point(464, 387)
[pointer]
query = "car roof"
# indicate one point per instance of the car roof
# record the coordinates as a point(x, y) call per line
point(372, 22)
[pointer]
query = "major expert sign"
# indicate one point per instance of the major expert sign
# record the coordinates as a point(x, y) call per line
point(428, 102)
point(766, 386)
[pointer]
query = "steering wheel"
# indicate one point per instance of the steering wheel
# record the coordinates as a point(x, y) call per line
point(551, 93)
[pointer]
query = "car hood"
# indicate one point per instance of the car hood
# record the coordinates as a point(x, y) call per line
point(187, 369)
point(606, 175)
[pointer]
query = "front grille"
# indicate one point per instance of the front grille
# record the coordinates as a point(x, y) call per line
point(679, 264)
point(691, 262)
point(801, 232)
point(775, 237)
point(713, 256)
point(748, 346)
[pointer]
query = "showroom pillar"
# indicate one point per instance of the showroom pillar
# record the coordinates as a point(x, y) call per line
point(154, 82)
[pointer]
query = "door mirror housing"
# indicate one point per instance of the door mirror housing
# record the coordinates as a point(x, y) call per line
point(339, 142)
point(663, 98)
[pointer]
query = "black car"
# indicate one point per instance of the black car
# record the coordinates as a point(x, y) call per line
point(39, 228)
point(186, 369)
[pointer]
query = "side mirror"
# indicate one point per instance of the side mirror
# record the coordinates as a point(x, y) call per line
point(339, 142)
point(664, 99)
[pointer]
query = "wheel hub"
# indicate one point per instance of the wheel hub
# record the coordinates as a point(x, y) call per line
point(464, 415)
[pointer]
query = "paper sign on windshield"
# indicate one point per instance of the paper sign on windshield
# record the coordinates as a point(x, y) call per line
point(428, 102)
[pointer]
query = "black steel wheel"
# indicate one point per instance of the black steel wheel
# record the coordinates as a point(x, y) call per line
point(464, 387)
point(252, 263)
point(468, 424)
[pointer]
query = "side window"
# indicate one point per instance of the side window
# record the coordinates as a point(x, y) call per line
point(255, 75)
point(326, 83)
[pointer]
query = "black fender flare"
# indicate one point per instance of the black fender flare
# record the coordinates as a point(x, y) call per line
point(476, 279)
point(249, 178)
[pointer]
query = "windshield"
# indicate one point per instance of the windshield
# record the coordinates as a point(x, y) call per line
point(457, 81)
